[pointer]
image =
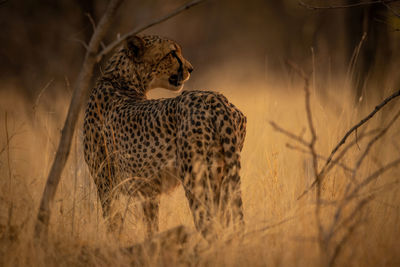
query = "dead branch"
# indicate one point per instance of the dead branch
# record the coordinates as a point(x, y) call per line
point(371, 178)
point(40, 95)
point(81, 42)
point(391, 9)
point(311, 147)
point(348, 146)
point(335, 226)
point(347, 134)
point(338, 248)
point(311, 127)
point(117, 42)
point(312, 7)
point(91, 21)
point(8, 148)
point(354, 194)
point(296, 138)
point(372, 142)
point(328, 248)
point(319, 156)
point(78, 98)
point(10, 137)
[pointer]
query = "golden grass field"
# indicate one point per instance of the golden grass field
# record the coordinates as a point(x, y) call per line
point(280, 229)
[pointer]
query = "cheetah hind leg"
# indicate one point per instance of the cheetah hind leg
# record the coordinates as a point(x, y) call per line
point(212, 187)
point(230, 203)
point(150, 206)
point(201, 179)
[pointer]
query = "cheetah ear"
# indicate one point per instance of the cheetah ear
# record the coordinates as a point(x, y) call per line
point(135, 46)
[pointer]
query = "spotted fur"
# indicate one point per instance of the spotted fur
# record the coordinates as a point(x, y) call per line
point(145, 147)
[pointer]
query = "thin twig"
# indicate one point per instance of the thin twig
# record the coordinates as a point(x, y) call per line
point(85, 45)
point(394, 29)
point(343, 152)
point(311, 147)
point(372, 177)
point(391, 9)
point(354, 57)
point(348, 133)
point(40, 95)
point(372, 142)
point(334, 162)
point(312, 7)
point(117, 42)
point(335, 227)
point(342, 242)
point(8, 150)
point(270, 226)
point(311, 127)
point(91, 21)
point(353, 194)
point(343, 166)
point(288, 134)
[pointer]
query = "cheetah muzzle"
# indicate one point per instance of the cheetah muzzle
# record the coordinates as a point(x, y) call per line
point(144, 147)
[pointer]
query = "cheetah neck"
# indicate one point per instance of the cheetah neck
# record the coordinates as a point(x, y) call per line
point(128, 79)
point(123, 89)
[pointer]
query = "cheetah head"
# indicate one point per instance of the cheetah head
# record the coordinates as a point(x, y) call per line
point(160, 62)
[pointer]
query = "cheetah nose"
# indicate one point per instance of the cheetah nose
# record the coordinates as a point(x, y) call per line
point(190, 69)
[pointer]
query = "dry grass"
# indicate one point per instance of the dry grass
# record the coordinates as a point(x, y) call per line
point(280, 230)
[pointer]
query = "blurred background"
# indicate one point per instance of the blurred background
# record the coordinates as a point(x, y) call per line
point(237, 41)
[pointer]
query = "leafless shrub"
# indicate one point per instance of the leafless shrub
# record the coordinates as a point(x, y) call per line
point(348, 209)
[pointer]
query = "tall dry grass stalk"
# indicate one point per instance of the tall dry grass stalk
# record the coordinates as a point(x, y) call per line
point(359, 196)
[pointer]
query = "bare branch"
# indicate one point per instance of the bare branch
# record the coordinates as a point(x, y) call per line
point(40, 95)
point(360, 123)
point(312, 7)
point(79, 96)
point(372, 142)
point(91, 21)
point(81, 42)
point(334, 162)
point(8, 149)
point(347, 147)
point(288, 134)
point(391, 9)
point(372, 177)
point(117, 42)
point(270, 226)
point(343, 241)
point(393, 28)
point(348, 133)
point(311, 145)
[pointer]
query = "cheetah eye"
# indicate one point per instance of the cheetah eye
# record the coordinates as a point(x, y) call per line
point(172, 53)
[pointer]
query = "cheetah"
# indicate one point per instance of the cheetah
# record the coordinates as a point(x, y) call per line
point(144, 147)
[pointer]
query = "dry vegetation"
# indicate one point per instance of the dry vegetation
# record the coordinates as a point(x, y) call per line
point(281, 230)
